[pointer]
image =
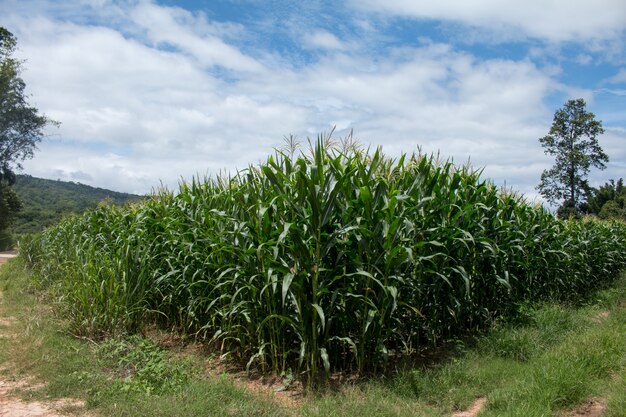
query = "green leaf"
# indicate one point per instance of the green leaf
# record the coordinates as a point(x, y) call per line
point(325, 360)
point(320, 313)
point(287, 279)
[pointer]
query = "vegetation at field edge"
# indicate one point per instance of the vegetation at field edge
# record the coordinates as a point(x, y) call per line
point(46, 202)
point(552, 358)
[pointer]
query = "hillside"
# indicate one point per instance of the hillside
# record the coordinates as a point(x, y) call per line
point(45, 202)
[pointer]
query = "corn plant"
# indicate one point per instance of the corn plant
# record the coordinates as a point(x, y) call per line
point(337, 259)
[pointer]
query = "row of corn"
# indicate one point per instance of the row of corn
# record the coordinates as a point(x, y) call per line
point(330, 261)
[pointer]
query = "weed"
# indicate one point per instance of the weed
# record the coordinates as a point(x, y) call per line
point(140, 365)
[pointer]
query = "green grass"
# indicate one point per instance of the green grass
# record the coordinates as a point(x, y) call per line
point(551, 358)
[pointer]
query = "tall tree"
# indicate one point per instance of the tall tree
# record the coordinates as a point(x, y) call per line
point(572, 141)
point(21, 126)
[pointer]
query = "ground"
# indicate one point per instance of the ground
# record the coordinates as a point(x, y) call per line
point(11, 405)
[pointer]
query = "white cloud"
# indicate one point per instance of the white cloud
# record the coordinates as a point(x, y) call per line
point(584, 59)
point(161, 106)
point(324, 40)
point(618, 78)
point(148, 104)
point(552, 20)
point(191, 34)
point(613, 143)
point(613, 91)
point(435, 97)
point(104, 169)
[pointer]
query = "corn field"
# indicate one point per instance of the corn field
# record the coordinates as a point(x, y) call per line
point(340, 259)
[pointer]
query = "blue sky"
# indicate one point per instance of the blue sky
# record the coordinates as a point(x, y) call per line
point(149, 92)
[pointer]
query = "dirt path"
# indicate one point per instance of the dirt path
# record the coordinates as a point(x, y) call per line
point(10, 404)
point(14, 407)
point(592, 408)
point(5, 256)
point(474, 409)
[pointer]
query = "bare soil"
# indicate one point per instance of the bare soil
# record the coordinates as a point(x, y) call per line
point(5, 256)
point(10, 404)
point(592, 408)
point(474, 409)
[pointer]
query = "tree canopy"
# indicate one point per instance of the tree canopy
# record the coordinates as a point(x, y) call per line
point(21, 125)
point(46, 202)
point(608, 201)
point(572, 140)
point(21, 128)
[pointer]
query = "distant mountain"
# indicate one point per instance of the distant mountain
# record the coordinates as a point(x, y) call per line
point(45, 202)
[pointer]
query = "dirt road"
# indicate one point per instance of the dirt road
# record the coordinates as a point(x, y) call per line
point(5, 256)
point(10, 405)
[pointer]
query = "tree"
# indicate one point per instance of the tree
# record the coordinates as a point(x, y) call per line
point(608, 201)
point(572, 141)
point(10, 205)
point(21, 125)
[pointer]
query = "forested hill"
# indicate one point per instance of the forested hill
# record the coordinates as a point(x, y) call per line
point(45, 202)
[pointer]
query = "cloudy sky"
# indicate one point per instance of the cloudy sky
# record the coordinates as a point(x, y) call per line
point(149, 92)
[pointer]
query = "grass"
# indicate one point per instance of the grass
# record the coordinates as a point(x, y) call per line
point(551, 358)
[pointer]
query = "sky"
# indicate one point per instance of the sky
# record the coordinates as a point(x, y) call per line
point(151, 93)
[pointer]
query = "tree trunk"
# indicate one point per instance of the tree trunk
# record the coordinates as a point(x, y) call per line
point(572, 185)
point(572, 168)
